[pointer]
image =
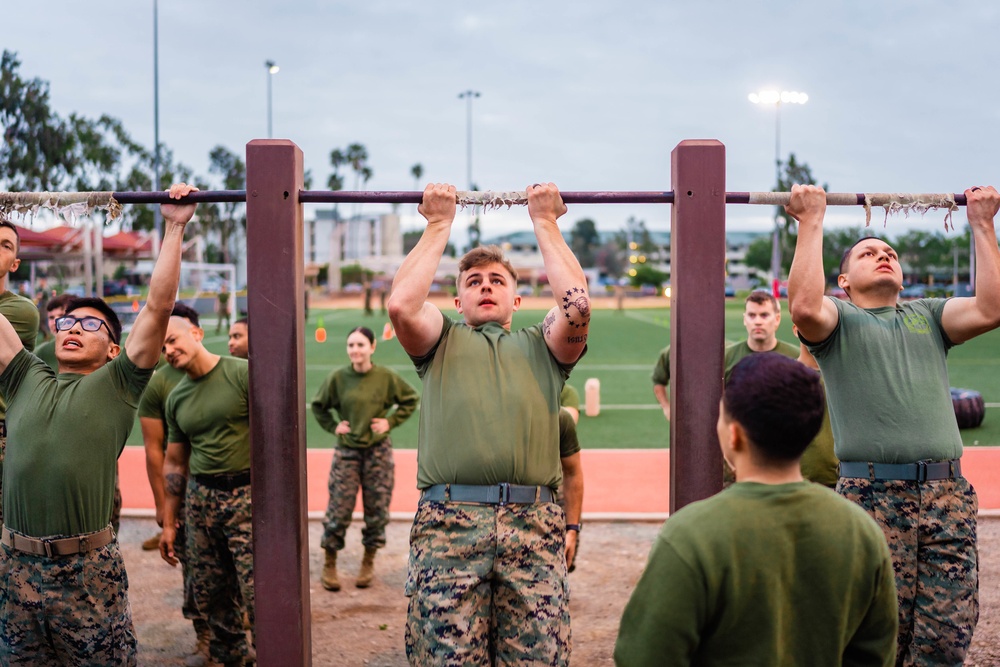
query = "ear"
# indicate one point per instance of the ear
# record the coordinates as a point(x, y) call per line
point(517, 302)
point(842, 281)
point(458, 305)
point(114, 350)
point(198, 333)
point(13, 265)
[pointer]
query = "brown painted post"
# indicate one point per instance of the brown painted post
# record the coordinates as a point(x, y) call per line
point(697, 318)
point(275, 285)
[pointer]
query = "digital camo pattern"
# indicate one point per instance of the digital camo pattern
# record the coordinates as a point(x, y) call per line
point(487, 585)
point(372, 469)
point(220, 555)
point(931, 531)
point(69, 610)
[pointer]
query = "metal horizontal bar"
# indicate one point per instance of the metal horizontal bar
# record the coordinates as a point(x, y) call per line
point(490, 198)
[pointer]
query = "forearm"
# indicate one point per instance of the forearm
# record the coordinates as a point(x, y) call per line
point(145, 341)
point(573, 491)
point(413, 279)
point(806, 280)
point(324, 418)
point(175, 476)
point(662, 394)
point(987, 271)
point(154, 471)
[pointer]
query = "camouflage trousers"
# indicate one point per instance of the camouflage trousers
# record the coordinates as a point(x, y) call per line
point(65, 610)
point(487, 585)
point(931, 531)
point(220, 556)
point(372, 469)
point(189, 607)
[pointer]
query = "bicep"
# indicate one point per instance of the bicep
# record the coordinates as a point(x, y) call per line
point(566, 333)
point(962, 319)
point(145, 340)
point(419, 333)
point(817, 326)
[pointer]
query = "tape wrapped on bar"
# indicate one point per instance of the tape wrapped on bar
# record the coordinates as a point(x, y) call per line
point(490, 199)
point(70, 205)
point(892, 202)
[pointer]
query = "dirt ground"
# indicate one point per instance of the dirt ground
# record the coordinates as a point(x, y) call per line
point(365, 627)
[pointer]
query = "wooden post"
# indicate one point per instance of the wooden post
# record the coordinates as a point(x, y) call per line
point(275, 300)
point(697, 318)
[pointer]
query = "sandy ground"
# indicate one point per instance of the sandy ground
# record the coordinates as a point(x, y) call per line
point(365, 627)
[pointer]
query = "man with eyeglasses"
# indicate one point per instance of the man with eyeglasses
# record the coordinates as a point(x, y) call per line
point(19, 311)
point(63, 586)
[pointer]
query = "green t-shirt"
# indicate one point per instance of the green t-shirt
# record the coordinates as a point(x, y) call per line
point(569, 444)
point(154, 400)
point(212, 415)
point(776, 575)
point(47, 353)
point(661, 370)
point(819, 464)
point(490, 406)
point(22, 313)
point(360, 397)
point(569, 397)
point(887, 383)
point(735, 352)
point(64, 436)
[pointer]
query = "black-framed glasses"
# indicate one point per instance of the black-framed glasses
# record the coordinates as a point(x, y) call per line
point(87, 323)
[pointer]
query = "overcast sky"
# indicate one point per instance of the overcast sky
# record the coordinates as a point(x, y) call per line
point(590, 95)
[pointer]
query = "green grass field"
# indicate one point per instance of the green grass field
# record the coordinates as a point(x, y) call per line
point(622, 350)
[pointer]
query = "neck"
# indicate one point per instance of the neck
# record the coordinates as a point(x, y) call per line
point(765, 346)
point(875, 298)
point(363, 367)
point(747, 471)
point(202, 364)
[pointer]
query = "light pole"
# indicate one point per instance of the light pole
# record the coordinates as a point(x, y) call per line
point(468, 95)
point(272, 69)
point(776, 98)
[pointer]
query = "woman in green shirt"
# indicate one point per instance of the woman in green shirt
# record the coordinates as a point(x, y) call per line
point(356, 404)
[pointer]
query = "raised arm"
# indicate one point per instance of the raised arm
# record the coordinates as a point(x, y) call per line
point(145, 341)
point(814, 314)
point(965, 318)
point(416, 322)
point(566, 326)
point(10, 343)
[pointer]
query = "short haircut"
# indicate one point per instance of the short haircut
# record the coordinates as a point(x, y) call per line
point(242, 321)
point(110, 316)
point(185, 311)
point(364, 331)
point(760, 297)
point(778, 401)
point(481, 256)
point(58, 301)
point(4, 222)
point(846, 257)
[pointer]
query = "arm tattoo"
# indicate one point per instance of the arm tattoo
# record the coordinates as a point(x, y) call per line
point(175, 484)
point(577, 339)
point(550, 319)
point(576, 298)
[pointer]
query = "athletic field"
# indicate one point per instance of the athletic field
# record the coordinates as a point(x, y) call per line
point(622, 350)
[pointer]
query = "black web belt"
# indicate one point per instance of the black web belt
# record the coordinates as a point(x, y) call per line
point(224, 481)
point(492, 494)
point(921, 471)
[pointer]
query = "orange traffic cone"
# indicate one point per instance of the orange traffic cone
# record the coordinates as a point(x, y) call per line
point(387, 332)
point(320, 332)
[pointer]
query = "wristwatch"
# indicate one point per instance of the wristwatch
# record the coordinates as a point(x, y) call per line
point(574, 526)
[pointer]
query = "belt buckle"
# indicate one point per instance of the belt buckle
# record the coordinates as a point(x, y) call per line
point(504, 493)
point(85, 544)
point(47, 547)
point(921, 471)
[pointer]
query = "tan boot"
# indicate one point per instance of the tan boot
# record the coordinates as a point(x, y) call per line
point(201, 656)
point(329, 578)
point(367, 572)
point(152, 544)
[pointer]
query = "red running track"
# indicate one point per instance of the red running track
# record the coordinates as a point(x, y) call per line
point(617, 481)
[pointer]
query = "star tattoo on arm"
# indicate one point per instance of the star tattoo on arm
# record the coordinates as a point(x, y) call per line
point(576, 298)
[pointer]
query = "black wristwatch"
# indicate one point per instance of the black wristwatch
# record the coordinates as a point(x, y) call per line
point(574, 526)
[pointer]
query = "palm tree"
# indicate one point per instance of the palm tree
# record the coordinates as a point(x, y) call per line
point(417, 171)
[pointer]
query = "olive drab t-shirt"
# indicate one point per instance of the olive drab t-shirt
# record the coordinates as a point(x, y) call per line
point(64, 436)
point(490, 408)
point(360, 397)
point(212, 415)
point(760, 574)
point(23, 315)
point(154, 400)
point(737, 351)
point(887, 383)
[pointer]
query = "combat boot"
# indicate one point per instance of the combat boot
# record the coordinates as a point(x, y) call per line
point(329, 579)
point(367, 572)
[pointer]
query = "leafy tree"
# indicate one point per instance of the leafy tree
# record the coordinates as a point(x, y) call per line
point(417, 171)
point(584, 239)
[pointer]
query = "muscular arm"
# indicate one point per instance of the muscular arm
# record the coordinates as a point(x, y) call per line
point(416, 322)
point(965, 318)
point(567, 325)
point(10, 343)
point(814, 314)
point(145, 341)
point(175, 474)
point(152, 439)
point(572, 470)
